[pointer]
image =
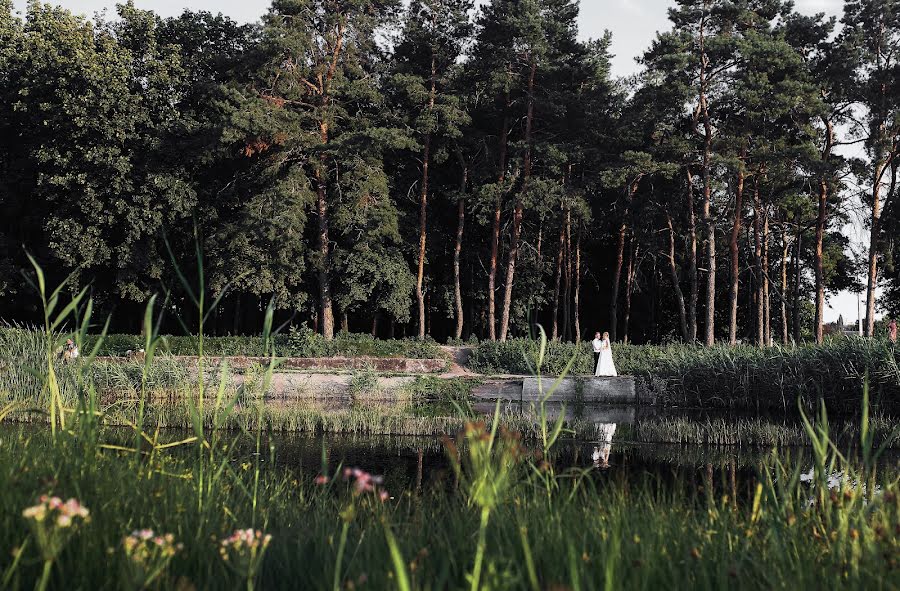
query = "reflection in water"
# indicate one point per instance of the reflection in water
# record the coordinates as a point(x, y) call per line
point(600, 455)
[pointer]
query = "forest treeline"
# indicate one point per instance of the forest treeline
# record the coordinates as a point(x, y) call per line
point(433, 168)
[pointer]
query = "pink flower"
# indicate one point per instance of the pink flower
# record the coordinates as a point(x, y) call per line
point(321, 479)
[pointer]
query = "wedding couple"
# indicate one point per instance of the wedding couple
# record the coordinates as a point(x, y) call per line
point(603, 359)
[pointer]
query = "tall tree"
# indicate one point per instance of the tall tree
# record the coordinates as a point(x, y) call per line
point(318, 71)
point(872, 28)
point(433, 37)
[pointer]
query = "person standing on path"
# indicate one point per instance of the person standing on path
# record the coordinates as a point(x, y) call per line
point(597, 346)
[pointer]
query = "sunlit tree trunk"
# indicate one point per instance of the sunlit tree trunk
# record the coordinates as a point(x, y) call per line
point(578, 286)
point(757, 259)
point(558, 281)
point(767, 301)
point(457, 247)
point(691, 256)
point(423, 206)
point(629, 288)
point(495, 230)
point(676, 284)
point(735, 254)
point(785, 256)
point(567, 318)
point(821, 222)
point(519, 210)
point(875, 228)
point(709, 222)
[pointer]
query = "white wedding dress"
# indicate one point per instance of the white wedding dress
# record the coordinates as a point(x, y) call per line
point(606, 366)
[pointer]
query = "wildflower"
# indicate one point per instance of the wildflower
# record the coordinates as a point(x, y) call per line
point(53, 522)
point(147, 556)
point(364, 482)
point(321, 480)
point(243, 552)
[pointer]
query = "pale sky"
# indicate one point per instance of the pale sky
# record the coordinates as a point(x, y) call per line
point(633, 23)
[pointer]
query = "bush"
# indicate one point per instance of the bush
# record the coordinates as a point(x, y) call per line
point(302, 342)
point(726, 377)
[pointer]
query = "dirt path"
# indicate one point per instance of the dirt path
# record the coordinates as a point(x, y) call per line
point(459, 359)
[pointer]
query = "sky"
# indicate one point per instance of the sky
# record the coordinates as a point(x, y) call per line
point(634, 24)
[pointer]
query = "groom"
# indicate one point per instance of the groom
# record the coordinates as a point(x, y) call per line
point(597, 346)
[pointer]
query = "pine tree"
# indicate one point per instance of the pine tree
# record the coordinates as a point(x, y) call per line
point(434, 33)
point(872, 29)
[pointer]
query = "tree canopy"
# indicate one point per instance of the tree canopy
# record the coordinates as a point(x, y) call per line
point(437, 168)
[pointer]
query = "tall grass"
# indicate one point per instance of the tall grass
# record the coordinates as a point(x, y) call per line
point(503, 520)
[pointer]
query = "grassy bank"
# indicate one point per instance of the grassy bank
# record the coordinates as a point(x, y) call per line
point(741, 377)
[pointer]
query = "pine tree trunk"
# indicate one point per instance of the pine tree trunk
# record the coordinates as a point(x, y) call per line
point(767, 301)
point(617, 279)
point(821, 222)
point(875, 230)
point(629, 284)
point(325, 303)
point(558, 281)
point(620, 260)
point(578, 287)
point(423, 205)
point(735, 254)
point(324, 91)
point(457, 248)
point(495, 230)
point(567, 318)
point(676, 283)
point(708, 221)
point(423, 228)
point(798, 277)
point(785, 255)
point(519, 210)
point(757, 259)
point(691, 255)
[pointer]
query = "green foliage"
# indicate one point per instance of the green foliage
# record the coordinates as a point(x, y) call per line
point(725, 377)
point(304, 342)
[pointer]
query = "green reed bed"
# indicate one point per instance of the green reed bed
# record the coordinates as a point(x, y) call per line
point(742, 377)
point(750, 432)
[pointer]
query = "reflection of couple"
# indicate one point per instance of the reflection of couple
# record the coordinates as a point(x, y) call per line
point(600, 455)
point(603, 359)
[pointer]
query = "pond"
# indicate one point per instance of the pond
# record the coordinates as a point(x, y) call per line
point(615, 453)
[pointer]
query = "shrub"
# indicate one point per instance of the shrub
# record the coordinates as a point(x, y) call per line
point(302, 342)
point(726, 377)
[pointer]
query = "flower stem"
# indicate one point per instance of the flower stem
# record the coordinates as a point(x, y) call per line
point(479, 552)
point(45, 576)
point(340, 556)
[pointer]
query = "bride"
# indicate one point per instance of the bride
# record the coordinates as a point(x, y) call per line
point(606, 366)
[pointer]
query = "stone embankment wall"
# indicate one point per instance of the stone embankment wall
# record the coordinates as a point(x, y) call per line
point(378, 364)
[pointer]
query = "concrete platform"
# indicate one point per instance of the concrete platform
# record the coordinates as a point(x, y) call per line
point(601, 390)
point(587, 389)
